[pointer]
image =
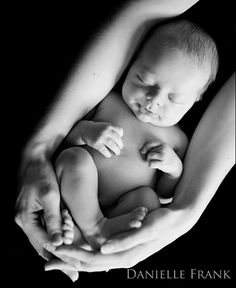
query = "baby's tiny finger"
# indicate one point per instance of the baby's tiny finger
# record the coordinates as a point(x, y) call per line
point(117, 139)
point(119, 130)
point(154, 164)
point(149, 146)
point(112, 146)
point(104, 151)
point(153, 156)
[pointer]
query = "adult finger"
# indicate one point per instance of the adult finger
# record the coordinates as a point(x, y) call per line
point(84, 267)
point(30, 222)
point(119, 243)
point(73, 275)
point(101, 262)
point(50, 202)
point(57, 264)
point(124, 241)
point(73, 252)
point(83, 261)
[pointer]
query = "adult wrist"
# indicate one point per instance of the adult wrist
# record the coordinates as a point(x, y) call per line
point(186, 215)
point(35, 152)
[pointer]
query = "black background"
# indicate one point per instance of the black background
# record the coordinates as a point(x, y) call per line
point(44, 42)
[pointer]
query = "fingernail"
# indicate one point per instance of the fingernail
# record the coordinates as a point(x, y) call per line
point(46, 269)
point(56, 239)
point(107, 248)
point(75, 278)
point(65, 212)
point(49, 247)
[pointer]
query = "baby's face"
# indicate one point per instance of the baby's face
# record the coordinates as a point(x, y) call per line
point(161, 86)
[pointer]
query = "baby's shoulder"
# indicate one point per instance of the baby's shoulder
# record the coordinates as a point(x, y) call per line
point(111, 106)
point(111, 98)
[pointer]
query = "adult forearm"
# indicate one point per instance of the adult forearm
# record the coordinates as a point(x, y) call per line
point(166, 185)
point(211, 154)
point(100, 66)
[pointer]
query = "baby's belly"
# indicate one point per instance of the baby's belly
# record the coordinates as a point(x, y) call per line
point(120, 174)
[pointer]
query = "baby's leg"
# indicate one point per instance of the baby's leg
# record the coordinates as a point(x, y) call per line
point(78, 178)
point(143, 196)
point(77, 175)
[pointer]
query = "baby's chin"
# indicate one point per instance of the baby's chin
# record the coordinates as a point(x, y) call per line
point(147, 119)
point(144, 118)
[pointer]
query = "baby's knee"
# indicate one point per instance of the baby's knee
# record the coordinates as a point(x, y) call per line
point(148, 198)
point(74, 159)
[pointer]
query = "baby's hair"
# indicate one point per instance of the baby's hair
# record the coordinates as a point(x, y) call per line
point(188, 37)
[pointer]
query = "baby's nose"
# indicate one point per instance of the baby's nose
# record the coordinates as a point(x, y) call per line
point(156, 100)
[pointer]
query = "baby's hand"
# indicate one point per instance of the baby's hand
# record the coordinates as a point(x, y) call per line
point(161, 156)
point(103, 135)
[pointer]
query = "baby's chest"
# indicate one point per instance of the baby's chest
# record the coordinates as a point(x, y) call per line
point(136, 133)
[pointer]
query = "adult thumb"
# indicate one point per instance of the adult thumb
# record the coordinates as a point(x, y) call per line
point(52, 216)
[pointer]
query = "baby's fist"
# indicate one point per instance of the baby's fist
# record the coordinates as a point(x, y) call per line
point(161, 156)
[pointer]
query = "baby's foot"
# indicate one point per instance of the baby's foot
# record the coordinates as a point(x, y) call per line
point(125, 222)
point(67, 228)
point(108, 227)
point(136, 217)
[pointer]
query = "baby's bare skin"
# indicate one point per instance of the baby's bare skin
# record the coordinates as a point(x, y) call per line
point(129, 170)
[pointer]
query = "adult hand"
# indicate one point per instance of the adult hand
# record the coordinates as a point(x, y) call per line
point(160, 227)
point(39, 198)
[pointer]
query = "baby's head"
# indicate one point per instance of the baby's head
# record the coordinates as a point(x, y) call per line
point(170, 74)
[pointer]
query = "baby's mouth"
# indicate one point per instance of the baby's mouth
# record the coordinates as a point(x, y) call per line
point(145, 111)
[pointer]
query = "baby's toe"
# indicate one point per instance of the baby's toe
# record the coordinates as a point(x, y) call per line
point(135, 224)
point(67, 241)
point(67, 228)
point(139, 213)
point(68, 236)
point(137, 216)
point(67, 218)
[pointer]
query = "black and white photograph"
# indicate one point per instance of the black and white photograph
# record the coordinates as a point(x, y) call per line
point(119, 157)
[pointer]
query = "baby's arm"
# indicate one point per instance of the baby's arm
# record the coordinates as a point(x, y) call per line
point(161, 156)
